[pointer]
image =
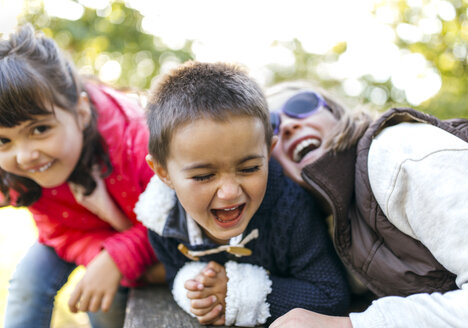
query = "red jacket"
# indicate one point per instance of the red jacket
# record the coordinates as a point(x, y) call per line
point(76, 234)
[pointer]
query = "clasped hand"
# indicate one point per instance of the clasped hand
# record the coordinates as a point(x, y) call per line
point(207, 292)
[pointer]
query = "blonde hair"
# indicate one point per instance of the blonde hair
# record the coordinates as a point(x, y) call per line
point(351, 124)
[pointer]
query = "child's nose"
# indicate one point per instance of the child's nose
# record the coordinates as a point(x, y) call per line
point(229, 190)
point(26, 155)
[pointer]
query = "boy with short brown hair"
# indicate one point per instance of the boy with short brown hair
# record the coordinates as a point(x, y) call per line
point(249, 250)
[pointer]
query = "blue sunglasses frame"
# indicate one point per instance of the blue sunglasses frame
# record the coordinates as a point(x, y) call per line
point(301, 105)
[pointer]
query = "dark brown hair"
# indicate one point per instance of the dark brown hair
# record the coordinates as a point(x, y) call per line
point(197, 90)
point(34, 77)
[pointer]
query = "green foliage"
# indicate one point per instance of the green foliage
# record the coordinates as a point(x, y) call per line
point(113, 33)
point(446, 51)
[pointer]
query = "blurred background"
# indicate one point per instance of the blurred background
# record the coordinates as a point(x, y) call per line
point(382, 53)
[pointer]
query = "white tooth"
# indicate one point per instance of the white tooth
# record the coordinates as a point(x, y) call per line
point(45, 167)
point(230, 209)
point(41, 169)
point(303, 144)
point(296, 157)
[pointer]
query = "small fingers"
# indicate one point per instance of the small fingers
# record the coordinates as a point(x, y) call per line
point(193, 285)
point(211, 316)
point(200, 312)
point(95, 303)
point(216, 267)
point(84, 302)
point(220, 322)
point(74, 298)
point(198, 294)
point(106, 302)
point(203, 303)
point(207, 278)
point(209, 272)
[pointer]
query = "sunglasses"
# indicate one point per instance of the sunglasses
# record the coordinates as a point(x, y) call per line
point(300, 106)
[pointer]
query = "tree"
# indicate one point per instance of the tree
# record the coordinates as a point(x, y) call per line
point(108, 43)
point(436, 29)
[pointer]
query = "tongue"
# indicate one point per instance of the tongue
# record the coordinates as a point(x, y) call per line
point(227, 215)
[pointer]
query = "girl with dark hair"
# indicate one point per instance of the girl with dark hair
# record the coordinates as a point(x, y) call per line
point(73, 151)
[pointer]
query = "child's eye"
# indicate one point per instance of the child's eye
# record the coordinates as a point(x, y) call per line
point(4, 141)
point(202, 177)
point(40, 129)
point(251, 169)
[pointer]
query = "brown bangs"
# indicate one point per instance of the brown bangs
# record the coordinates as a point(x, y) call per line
point(23, 93)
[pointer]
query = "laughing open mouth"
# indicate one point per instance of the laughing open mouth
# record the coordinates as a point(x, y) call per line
point(228, 214)
point(304, 147)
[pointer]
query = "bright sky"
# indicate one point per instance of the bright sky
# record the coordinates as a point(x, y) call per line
point(245, 31)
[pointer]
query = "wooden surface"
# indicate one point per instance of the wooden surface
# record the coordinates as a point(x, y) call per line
point(153, 306)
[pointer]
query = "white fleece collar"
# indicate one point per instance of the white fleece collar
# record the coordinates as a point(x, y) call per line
point(154, 205)
point(194, 232)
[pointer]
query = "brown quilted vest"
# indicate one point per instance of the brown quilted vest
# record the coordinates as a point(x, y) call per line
point(386, 260)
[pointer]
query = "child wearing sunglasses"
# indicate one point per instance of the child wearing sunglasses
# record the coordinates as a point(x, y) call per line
point(398, 193)
point(241, 243)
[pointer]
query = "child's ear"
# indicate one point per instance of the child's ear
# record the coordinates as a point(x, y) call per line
point(83, 111)
point(160, 171)
point(274, 141)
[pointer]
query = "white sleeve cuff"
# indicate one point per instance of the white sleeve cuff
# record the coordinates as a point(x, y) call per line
point(188, 271)
point(418, 310)
point(247, 289)
point(372, 317)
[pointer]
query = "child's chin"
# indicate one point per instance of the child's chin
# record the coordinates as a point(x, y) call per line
point(223, 237)
point(50, 184)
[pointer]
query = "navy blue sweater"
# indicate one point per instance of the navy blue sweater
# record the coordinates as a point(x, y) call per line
point(293, 246)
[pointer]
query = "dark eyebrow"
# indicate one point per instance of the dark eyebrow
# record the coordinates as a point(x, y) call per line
point(42, 119)
point(209, 166)
point(250, 157)
point(197, 166)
